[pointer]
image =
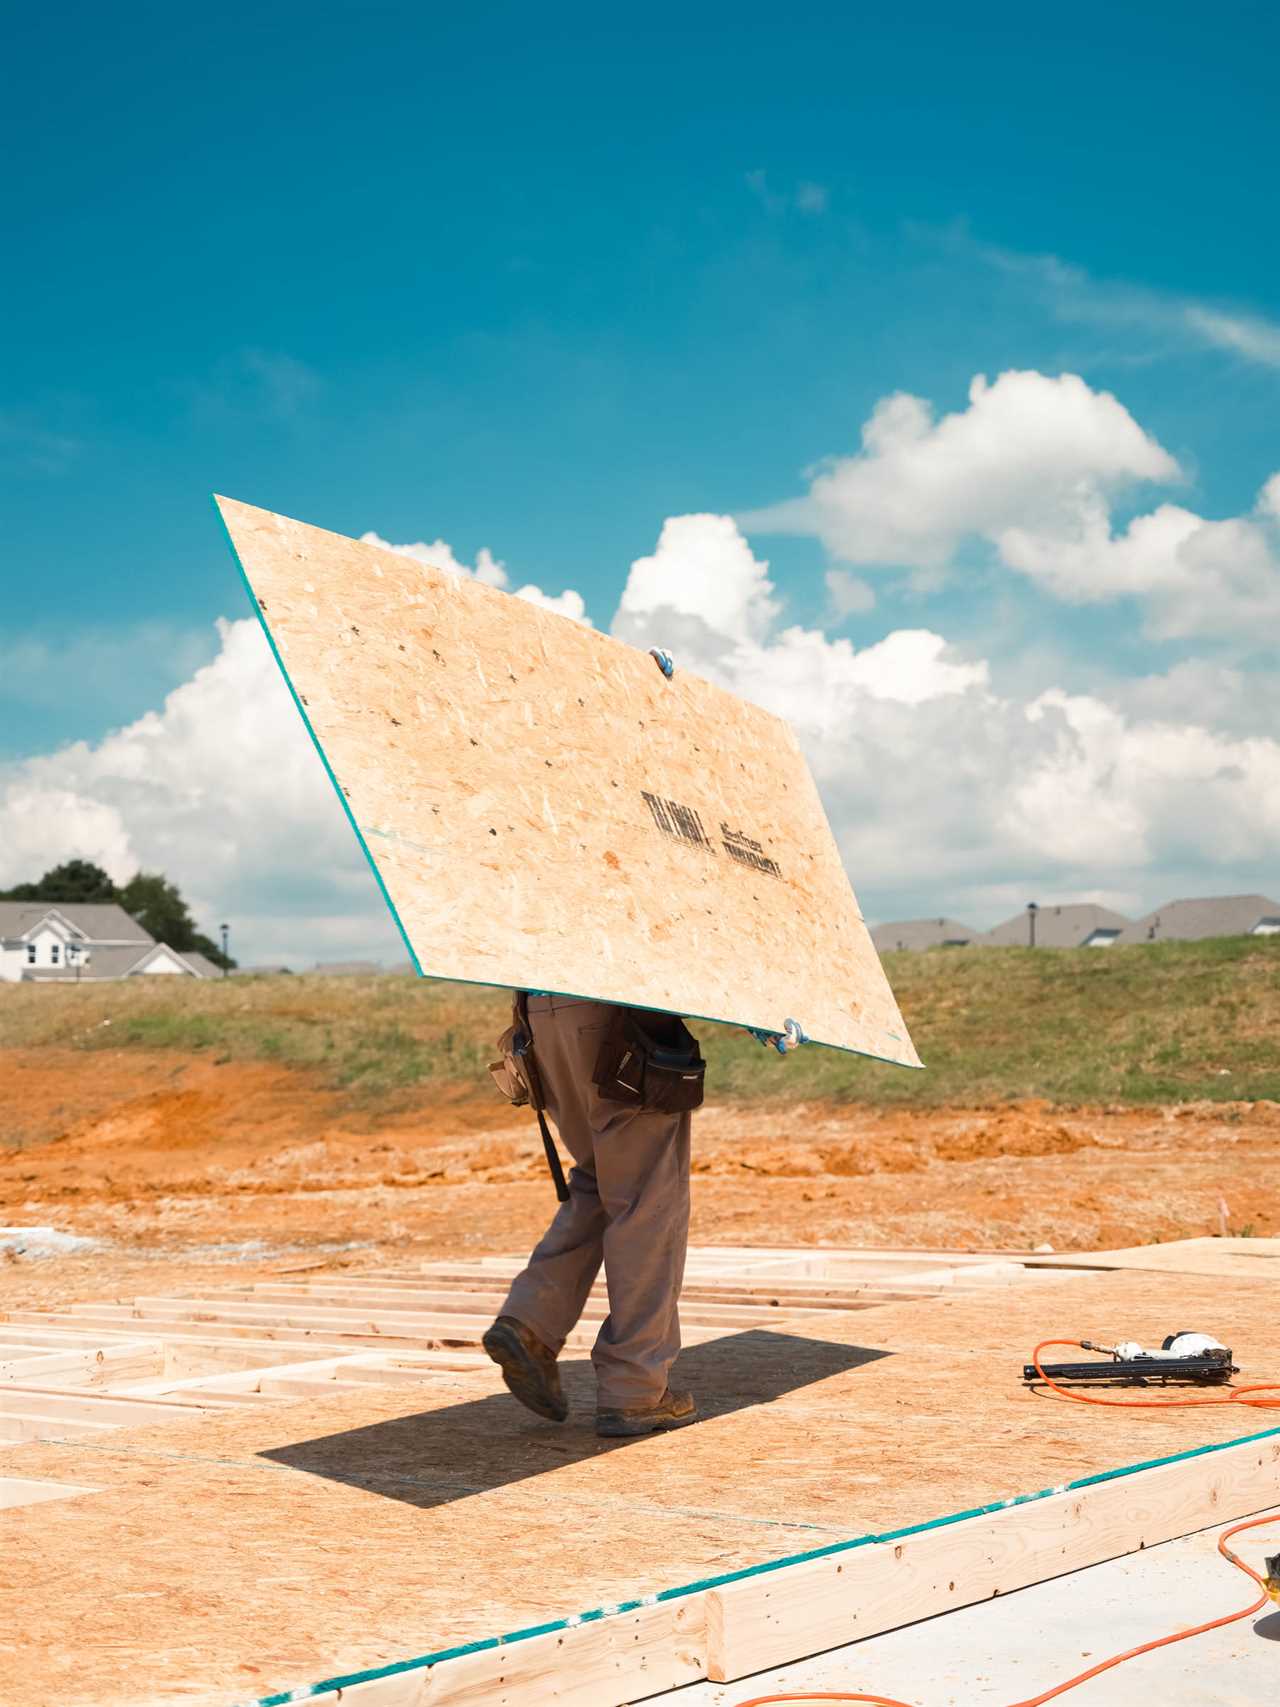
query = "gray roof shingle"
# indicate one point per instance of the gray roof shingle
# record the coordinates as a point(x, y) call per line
point(921, 933)
point(200, 964)
point(1068, 926)
point(101, 921)
point(1211, 915)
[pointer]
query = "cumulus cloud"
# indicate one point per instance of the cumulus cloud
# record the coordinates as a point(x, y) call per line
point(42, 825)
point(1028, 451)
point(704, 570)
point(1033, 468)
point(1196, 577)
point(222, 790)
point(850, 595)
point(937, 785)
point(490, 571)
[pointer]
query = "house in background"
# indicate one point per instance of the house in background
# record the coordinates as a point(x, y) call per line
point(1078, 924)
point(921, 933)
point(47, 942)
point(1214, 915)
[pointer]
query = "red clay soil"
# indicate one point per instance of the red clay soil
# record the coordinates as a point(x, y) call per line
point(179, 1165)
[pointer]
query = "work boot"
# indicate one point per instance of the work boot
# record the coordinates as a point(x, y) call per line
point(528, 1367)
point(673, 1410)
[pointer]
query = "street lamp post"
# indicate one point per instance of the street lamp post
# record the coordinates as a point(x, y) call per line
point(1033, 907)
point(226, 932)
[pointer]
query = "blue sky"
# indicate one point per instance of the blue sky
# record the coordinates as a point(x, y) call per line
point(536, 281)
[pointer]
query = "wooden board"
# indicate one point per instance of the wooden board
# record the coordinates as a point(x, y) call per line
point(429, 1542)
point(545, 810)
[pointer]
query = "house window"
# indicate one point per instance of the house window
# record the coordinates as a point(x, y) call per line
point(53, 954)
point(31, 954)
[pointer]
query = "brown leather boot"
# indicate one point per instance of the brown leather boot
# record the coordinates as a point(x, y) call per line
point(673, 1410)
point(528, 1367)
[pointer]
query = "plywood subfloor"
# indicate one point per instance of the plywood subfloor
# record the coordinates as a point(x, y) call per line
point(1244, 1259)
point(231, 1555)
point(545, 810)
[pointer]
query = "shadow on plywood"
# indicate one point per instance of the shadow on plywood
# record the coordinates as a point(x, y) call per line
point(437, 1456)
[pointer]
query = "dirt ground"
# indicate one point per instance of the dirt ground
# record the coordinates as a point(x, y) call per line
point(180, 1166)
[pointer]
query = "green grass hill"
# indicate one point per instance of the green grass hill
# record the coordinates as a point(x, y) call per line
point(1163, 1022)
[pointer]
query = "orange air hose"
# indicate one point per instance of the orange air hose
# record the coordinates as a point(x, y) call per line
point(1239, 1396)
point(1093, 1671)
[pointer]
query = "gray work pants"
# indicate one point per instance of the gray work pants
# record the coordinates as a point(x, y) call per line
point(628, 1208)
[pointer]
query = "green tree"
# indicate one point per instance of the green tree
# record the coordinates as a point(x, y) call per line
point(159, 908)
point(74, 880)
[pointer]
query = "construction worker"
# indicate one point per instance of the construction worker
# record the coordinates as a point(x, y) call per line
point(628, 1207)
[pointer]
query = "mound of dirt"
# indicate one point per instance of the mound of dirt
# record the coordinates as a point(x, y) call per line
point(1020, 1130)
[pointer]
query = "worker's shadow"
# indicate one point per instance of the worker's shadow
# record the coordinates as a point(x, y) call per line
point(433, 1457)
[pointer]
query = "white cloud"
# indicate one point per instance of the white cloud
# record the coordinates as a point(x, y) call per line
point(1248, 335)
point(1029, 452)
point(1032, 468)
point(850, 595)
point(1161, 317)
point(41, 825)
point(220, 789)
point(702, 569)
point(569, 603)
point(439, 554)
point(488, 570)
point(1196, 577)
point(937, 786)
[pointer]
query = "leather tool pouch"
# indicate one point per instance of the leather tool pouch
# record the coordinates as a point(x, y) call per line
point(650, 1061)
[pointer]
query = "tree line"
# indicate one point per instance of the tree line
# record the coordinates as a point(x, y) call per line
point(149, 898)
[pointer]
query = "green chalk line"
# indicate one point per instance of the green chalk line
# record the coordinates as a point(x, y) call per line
point(310, 1691)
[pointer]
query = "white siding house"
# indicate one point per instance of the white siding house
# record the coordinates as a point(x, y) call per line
point(65, 942)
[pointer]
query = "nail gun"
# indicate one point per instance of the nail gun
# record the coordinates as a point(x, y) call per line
point(1182, 1357)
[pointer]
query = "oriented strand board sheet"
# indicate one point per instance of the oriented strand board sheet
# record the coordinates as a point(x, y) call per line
point(224, 1559)
point(545, 810)
point(1245, 1259)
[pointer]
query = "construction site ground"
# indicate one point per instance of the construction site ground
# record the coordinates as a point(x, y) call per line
point(274, 1535)
point(169, 1158)
point(230, 1532)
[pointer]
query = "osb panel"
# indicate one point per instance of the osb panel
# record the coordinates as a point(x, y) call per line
point(1245, 1259)
point(546, 811)
point(224, 1559)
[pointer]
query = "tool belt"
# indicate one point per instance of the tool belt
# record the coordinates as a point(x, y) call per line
point(650, 1061)
point(647, 1062)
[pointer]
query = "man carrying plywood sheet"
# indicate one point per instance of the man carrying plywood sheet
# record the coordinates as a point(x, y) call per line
point(544, 809)
point(627, 1207)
